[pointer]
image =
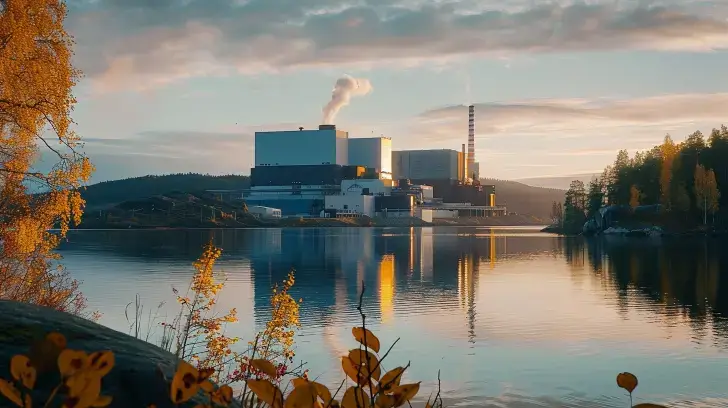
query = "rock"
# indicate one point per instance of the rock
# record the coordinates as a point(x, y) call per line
point(590, 227)
point(135, 380)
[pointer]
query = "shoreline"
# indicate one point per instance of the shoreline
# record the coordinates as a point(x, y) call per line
point(362, 222)
point(651, 232)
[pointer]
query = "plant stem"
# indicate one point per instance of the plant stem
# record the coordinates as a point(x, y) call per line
point(53, 394)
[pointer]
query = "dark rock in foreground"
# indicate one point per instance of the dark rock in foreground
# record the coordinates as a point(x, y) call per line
point(135, 380)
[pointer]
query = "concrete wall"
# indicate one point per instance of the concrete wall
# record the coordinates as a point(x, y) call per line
point(373, 152)
point(264, 212)
point(426, 164)
point(444, 213)
point(425, 214)
point(306, 147)
point(360, 204)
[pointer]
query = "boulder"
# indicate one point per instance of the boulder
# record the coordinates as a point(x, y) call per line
point(136, 379)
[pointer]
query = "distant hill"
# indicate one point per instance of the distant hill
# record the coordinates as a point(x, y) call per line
point(561, 182)
point(519, 197)
point(110, 193)
point(523, 199)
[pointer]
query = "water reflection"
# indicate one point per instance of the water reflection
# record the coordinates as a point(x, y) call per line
point(679, 280)
point(512, 317)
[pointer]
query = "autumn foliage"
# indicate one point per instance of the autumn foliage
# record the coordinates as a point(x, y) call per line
point(35, 106)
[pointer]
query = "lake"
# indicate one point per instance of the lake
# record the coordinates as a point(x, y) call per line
point(510, 316)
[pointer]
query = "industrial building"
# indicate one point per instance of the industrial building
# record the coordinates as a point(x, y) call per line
point(323, 172)
point(373, 153)
point(441, 164)
point(325, 145)
point(307, 172)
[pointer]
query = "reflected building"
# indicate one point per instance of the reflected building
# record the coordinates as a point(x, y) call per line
point(410, 265)
point(386, 287)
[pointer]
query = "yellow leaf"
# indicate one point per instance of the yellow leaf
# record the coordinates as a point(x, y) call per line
point(28, 401)
point(102, 401)
point(267, 392)
point(368, 360)
point(366, 337)
point(265, 366)
point(21, 370)
point(391, 379)
point(223, 395)
point(298, 381)
point(84, 389)
point(384, 401)
point(322, 392)
point(102, 362)
point(207, 386)
point(10, 392)
point(628, 381)
point(355, 397)
point(204, 373)
point(319, 388)
point(351, 370)
point(72, 361)
point(185, 383)
point(304, 396)
point(405, 393)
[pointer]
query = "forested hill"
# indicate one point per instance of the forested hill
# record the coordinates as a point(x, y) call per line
point(518, 197)
point(524, 199)
point(113, 192)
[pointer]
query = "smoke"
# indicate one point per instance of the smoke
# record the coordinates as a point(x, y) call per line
point(345, 88)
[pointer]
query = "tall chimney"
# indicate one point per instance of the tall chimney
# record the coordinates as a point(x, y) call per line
point(465, 165)
point(471, 137)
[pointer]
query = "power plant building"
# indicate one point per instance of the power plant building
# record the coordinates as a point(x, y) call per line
point(325, 145)
point(372, 152)
point(442, 164)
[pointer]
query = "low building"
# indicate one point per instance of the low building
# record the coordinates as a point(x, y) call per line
point(262, 212)
point(366, 187)
point(350, 204)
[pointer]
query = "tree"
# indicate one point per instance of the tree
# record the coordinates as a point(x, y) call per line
point(595, 196)
point(575, 207)
point(634, 197)
point(712, 193)
point(35, 95)
point(680, 198)
point(557, 213)
point(668, 150)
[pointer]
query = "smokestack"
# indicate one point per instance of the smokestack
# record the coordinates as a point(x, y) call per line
point(471, 137)
point(327, 127)
point(465, 165)
point(344, 89)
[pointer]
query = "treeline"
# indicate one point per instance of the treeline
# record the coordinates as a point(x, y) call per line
point(116, 191)
point(685, 179)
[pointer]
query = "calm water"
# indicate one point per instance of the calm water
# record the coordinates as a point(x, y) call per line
point(511, 317)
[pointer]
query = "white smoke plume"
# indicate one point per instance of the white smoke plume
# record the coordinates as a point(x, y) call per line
point(345, 88)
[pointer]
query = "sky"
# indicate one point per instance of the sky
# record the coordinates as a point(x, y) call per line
point(559, 86)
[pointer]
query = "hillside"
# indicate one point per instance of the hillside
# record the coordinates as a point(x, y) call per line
point(109, 193)
point(561, 182)
point(519, 197)
point(171, 210)
point(523, 199)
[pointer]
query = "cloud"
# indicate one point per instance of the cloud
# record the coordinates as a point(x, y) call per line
point(142, 44)
point(161, 152)
point(568, 118)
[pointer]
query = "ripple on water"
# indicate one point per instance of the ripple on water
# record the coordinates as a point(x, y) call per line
point(510, 318)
